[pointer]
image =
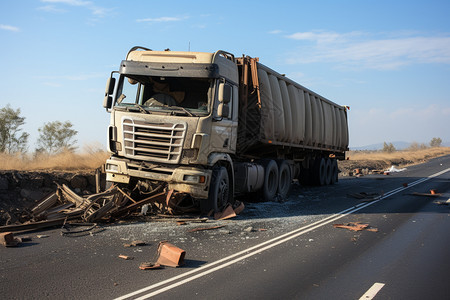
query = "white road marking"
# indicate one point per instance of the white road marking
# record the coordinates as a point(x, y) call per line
point(372, 292)
point(229, 260)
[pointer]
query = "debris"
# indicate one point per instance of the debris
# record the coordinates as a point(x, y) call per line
point(179, 223)
point(366, 197)
point(84, 228)
point(149, 266)
point(433, 192)
point(126, 257)
point(443, 202)
point(42, 236)
point(135, 244)
point(206, 228)
point(426, 194)
point(405, 184)
point(248, 229)
point(7, 239)
point(393, 169)
point(170, 255)
point(239, 208)
point(355, 226)
point(227, 213)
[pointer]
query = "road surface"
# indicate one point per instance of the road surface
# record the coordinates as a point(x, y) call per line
point(287, 250)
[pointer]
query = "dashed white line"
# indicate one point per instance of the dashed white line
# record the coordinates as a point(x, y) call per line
point(372, 292)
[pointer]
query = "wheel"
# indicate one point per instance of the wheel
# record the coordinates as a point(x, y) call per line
point(219, 190)
point(284, 179)
point(334, 171)
point(319, 171)
point(270, 187)
point(328, 172)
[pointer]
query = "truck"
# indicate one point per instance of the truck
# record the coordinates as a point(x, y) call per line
point(213, 127)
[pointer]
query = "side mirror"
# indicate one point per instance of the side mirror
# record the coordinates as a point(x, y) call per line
point(225, 92)
point(109, 90)
point(223, 110)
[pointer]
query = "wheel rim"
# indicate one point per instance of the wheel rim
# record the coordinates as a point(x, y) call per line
point(222, 193)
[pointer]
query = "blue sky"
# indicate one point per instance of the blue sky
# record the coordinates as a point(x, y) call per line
point(388, 60)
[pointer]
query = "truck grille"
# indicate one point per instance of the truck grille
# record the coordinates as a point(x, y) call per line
point(154, 142)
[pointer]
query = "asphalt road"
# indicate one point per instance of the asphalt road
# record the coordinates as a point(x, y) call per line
point(272, 250)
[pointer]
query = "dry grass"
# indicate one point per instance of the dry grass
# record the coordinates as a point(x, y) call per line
point(408, 156)
point(63, 161)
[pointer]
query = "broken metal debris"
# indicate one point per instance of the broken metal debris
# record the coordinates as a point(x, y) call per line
point(355, 226)
point(206, 228)
point(443, 202)
point(366, 197)
point(426, 194)
point(149, 266)
point(126, 257)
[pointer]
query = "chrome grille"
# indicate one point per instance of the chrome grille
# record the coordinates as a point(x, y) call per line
point(154, 142)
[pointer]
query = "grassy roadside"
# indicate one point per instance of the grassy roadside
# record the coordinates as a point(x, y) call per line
point(378, 160)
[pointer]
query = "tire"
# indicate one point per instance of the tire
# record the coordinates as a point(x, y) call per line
point(334, 171)
point(284, 179)
point(219, 191)
point(270, 186)
point(328, 171)
point(319, 172)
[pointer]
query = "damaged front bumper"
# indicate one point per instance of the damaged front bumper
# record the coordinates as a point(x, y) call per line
point(190, 180)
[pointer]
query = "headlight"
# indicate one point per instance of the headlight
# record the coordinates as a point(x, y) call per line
point(112, 168)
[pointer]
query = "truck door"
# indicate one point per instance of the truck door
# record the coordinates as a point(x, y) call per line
point(224, 128)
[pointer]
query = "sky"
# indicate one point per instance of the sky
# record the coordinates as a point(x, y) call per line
point(388, 60)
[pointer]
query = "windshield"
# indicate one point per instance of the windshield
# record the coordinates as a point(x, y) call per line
point(178, 95)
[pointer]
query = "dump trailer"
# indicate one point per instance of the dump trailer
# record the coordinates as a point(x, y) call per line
point(213, 126)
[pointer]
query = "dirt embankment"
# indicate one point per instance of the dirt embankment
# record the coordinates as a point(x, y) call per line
point(22, 189)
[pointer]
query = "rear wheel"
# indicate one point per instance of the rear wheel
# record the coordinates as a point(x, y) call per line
point(284, 179)
point(270, 186)
point(334, 171)
point(328, 171)
point(320, 171)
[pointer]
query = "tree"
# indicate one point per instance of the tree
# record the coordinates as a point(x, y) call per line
point(55, 137)
point(388, 147)
point(12, 140)
point(435, 142)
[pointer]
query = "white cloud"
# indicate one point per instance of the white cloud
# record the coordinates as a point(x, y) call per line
point(356, 49)
point(95, 10)
point(9, 28)
point(161, 19)
point(276, 31)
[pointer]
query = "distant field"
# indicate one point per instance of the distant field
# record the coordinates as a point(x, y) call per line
point(91, 160)
point(65, 161)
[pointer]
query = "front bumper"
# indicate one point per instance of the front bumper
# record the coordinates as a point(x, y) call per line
point(191, 180)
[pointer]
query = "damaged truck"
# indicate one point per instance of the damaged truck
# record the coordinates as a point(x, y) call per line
point(213, 126)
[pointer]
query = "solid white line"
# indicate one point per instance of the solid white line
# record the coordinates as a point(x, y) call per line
point(272, 243)
point(372, 292)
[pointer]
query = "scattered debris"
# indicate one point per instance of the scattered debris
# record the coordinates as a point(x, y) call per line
point(170, 255)
point(149, 266)
point(135, 244)
point(7, 239)
point(126, 257)
point(443, 202)
point(405, 184)
point(355, 226)
point(366, 197)
point(206, 228)
point(393, 169)
point(227, 213)
point(426, 194)
point(433, 192)
point(42, 236)
point(248, 229)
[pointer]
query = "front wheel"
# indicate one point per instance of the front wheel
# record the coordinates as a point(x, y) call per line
point(219, 190)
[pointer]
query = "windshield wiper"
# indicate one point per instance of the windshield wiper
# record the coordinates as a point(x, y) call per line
point(140, 107)
point(184, 110)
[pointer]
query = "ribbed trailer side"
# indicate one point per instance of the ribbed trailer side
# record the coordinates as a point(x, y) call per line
point(293, 115)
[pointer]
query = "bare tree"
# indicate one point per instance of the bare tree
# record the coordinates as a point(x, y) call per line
point(12, 139)
point(56, 136)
